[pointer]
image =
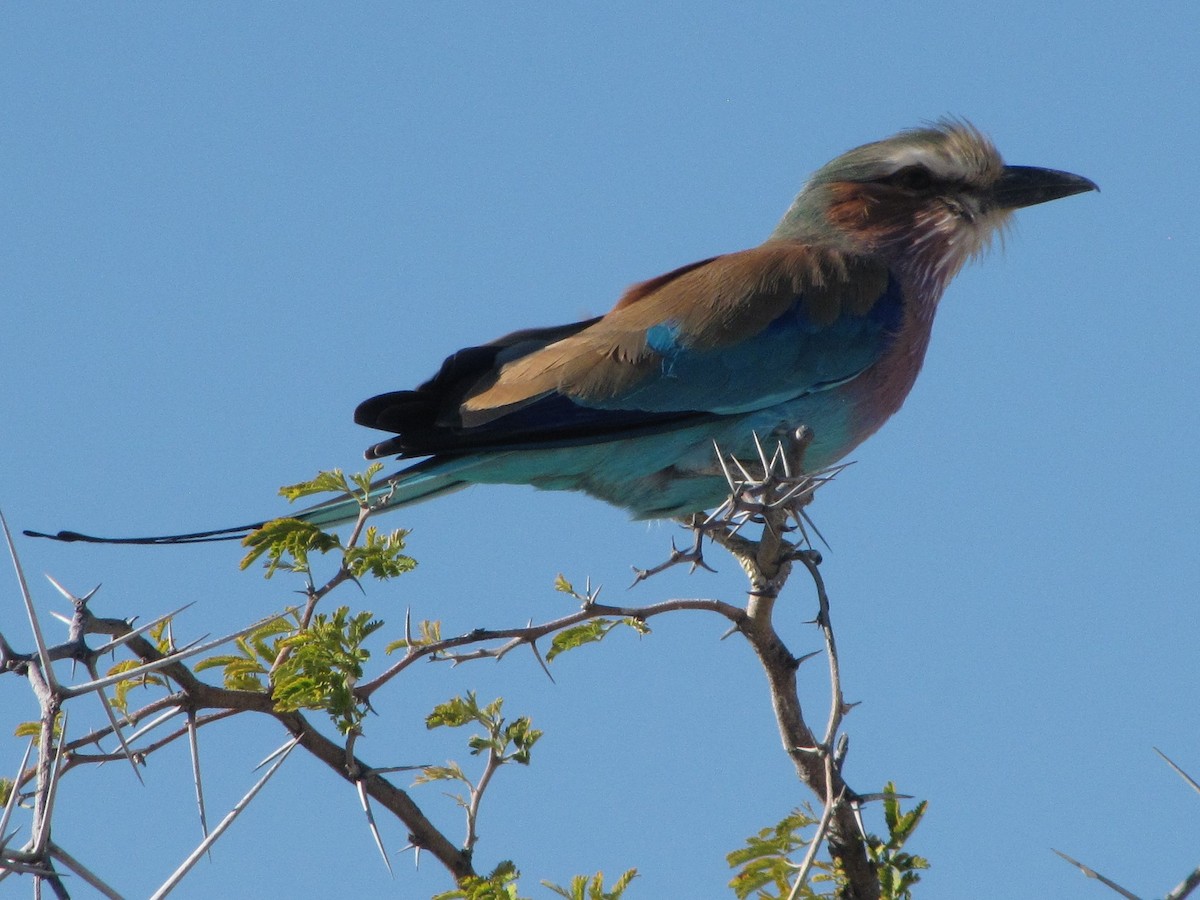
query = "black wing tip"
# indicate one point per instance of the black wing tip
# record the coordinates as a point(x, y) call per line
point(384, 411)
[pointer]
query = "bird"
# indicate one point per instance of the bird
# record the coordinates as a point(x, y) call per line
point(824, 325)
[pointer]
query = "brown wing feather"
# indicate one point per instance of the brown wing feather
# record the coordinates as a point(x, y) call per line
point(715, 303)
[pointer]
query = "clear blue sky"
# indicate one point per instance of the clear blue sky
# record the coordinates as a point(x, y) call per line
point(225, 225)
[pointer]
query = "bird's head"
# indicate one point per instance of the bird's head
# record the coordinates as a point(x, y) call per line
point(926, 200)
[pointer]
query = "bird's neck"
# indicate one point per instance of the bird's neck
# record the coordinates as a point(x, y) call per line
point(924, 246)
point(881, 390)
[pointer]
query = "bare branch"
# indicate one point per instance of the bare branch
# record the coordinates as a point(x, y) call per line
point(694, 556)
point(50, 767)
point(515, 637)
point(818, 837)
point(770, 497)
point(489, 769)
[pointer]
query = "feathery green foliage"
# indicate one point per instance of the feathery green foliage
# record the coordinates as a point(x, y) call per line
point(333, 481)
point(501, 884)
point(767, 864)
point(898, 871)
point(323, 664)
point(160, 637)
point(34, 729)
point(379, 555)
point(428, 632)
point(287, 544)
point(768, 861)
point(508, 742)
point(120, 697)
point(583, 888)
point(249, 668)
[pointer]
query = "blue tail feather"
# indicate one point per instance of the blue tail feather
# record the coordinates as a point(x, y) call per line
point(423, 481)
point(412, 485)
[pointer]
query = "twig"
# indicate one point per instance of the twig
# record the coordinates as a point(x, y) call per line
point(515, 637)
point(818, 837)
point(493, 763)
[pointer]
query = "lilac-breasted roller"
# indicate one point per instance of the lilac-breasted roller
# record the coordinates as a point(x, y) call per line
point(825, 325)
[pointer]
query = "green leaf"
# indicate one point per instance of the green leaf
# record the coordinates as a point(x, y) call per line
point(34, 729)
point(287, 544)
point(504, 742)
point(455, 712)
point(120, 698)
point(380, 556)
point(577, 635)
point(766, 860)
point(334, 482)
point(363, 479)
point(638, 625)
point(624, 881)
point(248, 669)
point(584, 889)
point(898, 870)
point(428, 632)
point(324, 663)
point(329, 482)
point(160, 636)
point(591, 632)
point(449, 772)
point(500, 885)
point(522, 735)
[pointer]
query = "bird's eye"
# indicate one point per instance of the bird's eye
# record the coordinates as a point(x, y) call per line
point(910, 178)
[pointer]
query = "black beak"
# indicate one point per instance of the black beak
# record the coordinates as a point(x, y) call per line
point(1022, 186)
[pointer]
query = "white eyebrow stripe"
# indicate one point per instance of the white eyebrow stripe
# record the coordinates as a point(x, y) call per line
point(940, 165)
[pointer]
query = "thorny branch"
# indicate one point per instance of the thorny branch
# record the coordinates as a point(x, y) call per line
point(768, 496)
point(529, 635)
point(773, 495)
point(770, 492)
point(192, 695)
